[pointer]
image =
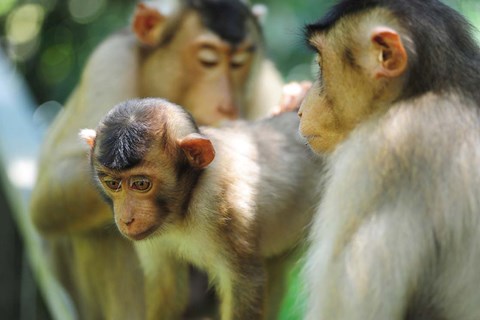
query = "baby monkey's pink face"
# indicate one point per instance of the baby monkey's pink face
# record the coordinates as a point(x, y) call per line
point(147, 182)
point(146, 157)
point(142, 197)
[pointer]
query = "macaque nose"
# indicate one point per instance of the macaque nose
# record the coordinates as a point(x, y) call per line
point(300, 110)
point(128, 220)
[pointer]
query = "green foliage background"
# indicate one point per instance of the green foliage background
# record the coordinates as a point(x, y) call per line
point(66, 31)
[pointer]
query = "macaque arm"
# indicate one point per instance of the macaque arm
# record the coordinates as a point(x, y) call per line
point(242, 290)
point(374, 273)
point(64, 198)
point(166, 282)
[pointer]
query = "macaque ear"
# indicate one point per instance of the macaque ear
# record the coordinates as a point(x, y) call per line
point(198, 149)
point(148, 24)
point(260, 12)
point(390, 52)
point(88, 135)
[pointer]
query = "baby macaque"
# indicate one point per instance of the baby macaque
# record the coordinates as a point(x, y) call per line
point(225, 199)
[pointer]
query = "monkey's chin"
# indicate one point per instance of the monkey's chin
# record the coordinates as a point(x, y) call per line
point(321, 145)
point(316, 144)
point(140, 235)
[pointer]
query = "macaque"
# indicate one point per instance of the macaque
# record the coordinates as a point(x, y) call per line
point(224, 199)
point(396, 107)
point(207, 55)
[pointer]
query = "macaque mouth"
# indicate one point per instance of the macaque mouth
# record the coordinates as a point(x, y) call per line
point(140, 235)
point(312, 137)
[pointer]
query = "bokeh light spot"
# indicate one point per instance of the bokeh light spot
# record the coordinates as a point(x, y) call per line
point(45, 113)
point(85, 11)
point(56, 63)
point(5, 6)
point(23, 173)
point(23, 51)
point(24, 23)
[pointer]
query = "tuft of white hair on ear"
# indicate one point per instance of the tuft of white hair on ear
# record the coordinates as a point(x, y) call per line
point(260, 11)
point(88, 135)
point(165, 7)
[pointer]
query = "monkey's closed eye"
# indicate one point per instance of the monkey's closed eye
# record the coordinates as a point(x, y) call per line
point(239, 59)
point(141, 184)
point(208, 57)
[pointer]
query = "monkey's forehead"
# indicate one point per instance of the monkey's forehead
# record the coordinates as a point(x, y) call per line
point(210, 38)
point(226, 18)
point(141, 168)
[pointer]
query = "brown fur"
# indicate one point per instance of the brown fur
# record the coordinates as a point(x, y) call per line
point(396, 232)
point(241, 212)
point(66, 208)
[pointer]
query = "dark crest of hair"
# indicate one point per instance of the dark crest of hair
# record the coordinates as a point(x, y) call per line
point(444, 55)
point(227, 18)
point(125, 135)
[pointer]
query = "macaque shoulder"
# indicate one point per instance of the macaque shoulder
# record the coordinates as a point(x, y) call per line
point(399, 147)
point(266, 161)
point(115, 52)
point(406, 136)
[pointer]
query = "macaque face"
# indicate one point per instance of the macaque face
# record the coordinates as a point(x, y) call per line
point(142, 196)
point(222, 72)
point(358, 76)
point(202, 72)
point(326, 116)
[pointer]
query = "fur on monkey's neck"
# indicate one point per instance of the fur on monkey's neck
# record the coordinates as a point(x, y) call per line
point(227, 183)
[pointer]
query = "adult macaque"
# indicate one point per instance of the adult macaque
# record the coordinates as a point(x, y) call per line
point(224, 199)
point(205, 54)
point(397, 105)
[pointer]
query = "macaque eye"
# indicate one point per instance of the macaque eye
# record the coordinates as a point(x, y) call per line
point(239, 59)
point(208, 57)
point(112, 184)
point(140, 184)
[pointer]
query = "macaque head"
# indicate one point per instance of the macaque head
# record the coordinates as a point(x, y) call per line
point(363, 62)
point(146, 157)
point(200, 56)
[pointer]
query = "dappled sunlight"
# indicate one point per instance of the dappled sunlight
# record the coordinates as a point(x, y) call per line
point(22, 30)
point(24, 23)
point(5, 6)
point(22, 173)
point(85, 11)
